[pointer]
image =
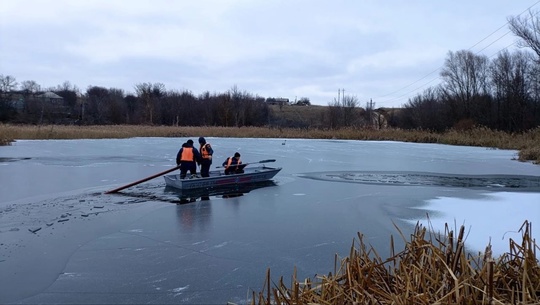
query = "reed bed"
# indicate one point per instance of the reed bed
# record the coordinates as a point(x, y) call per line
point(432, 269)
point(528, 143)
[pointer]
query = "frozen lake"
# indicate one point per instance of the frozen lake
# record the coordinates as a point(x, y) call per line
point(62, 240)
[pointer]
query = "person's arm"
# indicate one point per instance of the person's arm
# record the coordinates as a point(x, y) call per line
point(179, 156)
point(197, 155)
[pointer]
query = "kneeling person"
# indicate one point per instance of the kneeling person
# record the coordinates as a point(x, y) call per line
point(233, 165)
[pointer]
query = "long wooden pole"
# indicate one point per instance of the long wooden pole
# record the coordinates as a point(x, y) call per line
point(142, 180)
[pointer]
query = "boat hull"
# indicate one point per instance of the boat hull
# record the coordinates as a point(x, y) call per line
point(218, 178)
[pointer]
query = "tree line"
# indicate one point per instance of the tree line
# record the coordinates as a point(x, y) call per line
point(151, 104)
point(502, 93)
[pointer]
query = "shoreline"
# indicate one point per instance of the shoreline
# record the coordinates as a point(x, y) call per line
point(528, 143)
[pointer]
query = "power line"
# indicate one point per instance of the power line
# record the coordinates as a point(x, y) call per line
point(440, 67)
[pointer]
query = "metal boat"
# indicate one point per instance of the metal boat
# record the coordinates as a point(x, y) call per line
point(219, 179)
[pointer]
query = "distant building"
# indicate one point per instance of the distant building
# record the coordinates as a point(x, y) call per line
point(51, 97)
point(277, 101)
point(378, 120)
point(14, 99)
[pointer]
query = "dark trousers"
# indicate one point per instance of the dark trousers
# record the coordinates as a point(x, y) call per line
point(205, 167)
point(186, 166)
point(233, 170)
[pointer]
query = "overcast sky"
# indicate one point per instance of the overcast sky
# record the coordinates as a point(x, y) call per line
point(373, 49)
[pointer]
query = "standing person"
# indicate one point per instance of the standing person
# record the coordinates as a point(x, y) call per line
point(187, 158)
point(232, 165)
point(206, 157)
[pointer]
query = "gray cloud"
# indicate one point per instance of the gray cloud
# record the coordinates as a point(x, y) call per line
point(298, 48)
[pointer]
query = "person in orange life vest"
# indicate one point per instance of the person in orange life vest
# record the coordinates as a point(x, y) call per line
point(187, 158)
point(206, 157)
point(232, 165)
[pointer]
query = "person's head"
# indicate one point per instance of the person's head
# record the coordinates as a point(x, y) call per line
point(237, 155)
point(189, 143)
point(202, 141)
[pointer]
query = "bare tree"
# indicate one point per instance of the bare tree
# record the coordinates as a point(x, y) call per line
point(8, 83)
point(465, 77)
point(334, 115)
point(150, 95)
point(509, 74)
point(350, 105)
point(70, 93)
point(426, 111)
point(237, 99)
point(528, 30)
point(342, 112)
point(97, 109)
point(30, 87)
point(534, 81)
point(117, 107)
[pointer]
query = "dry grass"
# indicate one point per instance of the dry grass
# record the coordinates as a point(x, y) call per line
point(528, 143)
point(432, 269)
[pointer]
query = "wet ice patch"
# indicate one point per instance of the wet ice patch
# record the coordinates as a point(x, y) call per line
point(429, 179)
point(223, 244)
point(178, 291)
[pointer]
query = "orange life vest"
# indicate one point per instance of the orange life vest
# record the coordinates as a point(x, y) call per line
point(204, 152)
point(229, 162)
point(187, 154)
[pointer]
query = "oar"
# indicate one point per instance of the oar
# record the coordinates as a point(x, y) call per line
point(244, 164)
point(142, 180)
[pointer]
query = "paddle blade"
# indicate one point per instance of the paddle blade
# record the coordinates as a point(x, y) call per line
point(267, 161)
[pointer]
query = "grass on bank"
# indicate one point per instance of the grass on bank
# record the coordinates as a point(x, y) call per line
point(432, 269)
point(528, 143)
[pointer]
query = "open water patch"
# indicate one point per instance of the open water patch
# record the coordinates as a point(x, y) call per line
point(515, 182)
point(7, 159)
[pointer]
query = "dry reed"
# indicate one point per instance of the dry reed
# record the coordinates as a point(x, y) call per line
point(432, 269)
point(528, 143)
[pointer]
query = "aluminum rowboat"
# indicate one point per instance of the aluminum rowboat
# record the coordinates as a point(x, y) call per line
point(218, 178)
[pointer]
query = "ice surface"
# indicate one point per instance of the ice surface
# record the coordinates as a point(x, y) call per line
point(148, 244)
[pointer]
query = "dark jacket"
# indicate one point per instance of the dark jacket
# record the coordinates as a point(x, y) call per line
point(233, 160)
point(191, 152)
point(206, 152)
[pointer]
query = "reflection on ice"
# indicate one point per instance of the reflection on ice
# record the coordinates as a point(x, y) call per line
point(156, 192)
point(187, 196)
point(429, 179)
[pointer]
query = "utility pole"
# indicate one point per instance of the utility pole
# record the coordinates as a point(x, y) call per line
point(342, 93)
